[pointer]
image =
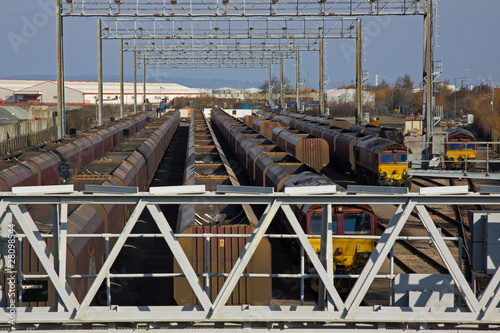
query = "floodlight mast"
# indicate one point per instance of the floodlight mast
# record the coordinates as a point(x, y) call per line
point(100, 98)
point(297, 80)
point(61, 112)
point(428, 85)
point(122, 84)
point(359, 71)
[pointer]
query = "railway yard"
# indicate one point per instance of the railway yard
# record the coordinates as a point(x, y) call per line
point(187, 204)
point(263, 153)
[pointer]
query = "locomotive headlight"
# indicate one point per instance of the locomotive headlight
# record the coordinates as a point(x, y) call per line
point(339, 209)
point(363, 255)
point(383, 174)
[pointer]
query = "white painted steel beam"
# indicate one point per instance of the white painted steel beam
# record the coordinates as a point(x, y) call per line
point(110, 189)
point(323, 275)
point(193, 189)
point(60, 245)
point(326, 254)
point(491, 292)
point(377, 258)
point(244, 258)
point(377, 189)
point(491, 297)
point(83, 311)
point(43, 253)
point(445, 190)
point(55, 189)
point(303, 314)
point(305, 190)
point(244, 189)
point(479, 312)
point(180, 256)
point(455, 271)
point(259, 199)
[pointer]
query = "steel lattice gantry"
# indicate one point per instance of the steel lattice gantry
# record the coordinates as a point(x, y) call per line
point(313, 30)
point(234, 28)
point(207, 54)
point(198, 59)
point(227, 54)
point(239, 8)
point(277, 45)
point(257, 8)
point(192, 62)
point(331, 311)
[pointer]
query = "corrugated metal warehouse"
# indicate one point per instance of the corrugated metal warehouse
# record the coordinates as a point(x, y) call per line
point(86, 92)
point(349, 95)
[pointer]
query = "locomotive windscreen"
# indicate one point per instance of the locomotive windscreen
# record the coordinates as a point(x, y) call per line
point(358, 223)
point(315, 227)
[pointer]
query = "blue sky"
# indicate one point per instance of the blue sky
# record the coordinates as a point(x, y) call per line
point(469, 40)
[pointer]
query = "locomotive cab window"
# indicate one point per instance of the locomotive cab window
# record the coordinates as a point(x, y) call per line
point(357, 223)
point(454, 146)
point(387, 158)
point(401, 157)
point(315, 223)
point(471, 146)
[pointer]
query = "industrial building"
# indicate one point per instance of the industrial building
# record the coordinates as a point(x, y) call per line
point(86, 92)
point(227, 92)
point(349, 95)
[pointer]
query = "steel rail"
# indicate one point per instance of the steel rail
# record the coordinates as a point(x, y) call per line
point(431, 261)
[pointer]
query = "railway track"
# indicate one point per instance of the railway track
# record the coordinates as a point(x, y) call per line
point(407, 263)
point(453, 220)
point(131, 162)
point(407, 256)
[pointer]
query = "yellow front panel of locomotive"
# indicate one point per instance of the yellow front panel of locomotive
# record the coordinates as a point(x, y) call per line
point(345, 251)
point(393, 171)
point(459, 155)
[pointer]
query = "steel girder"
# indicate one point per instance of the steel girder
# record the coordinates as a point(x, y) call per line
point(232, 54)
point(223, 55)
point(221, 45)
point(191, 62)
point(239, 8)
point(229, 28)
point(480, 311)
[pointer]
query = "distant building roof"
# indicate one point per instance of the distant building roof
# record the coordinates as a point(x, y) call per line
point(12, 113)
point(16, 85)
point(91, 87)
point(253, 90)
point(338, 91)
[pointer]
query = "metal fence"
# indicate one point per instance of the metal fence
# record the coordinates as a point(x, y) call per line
point(480, 310)
point(29, 133)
